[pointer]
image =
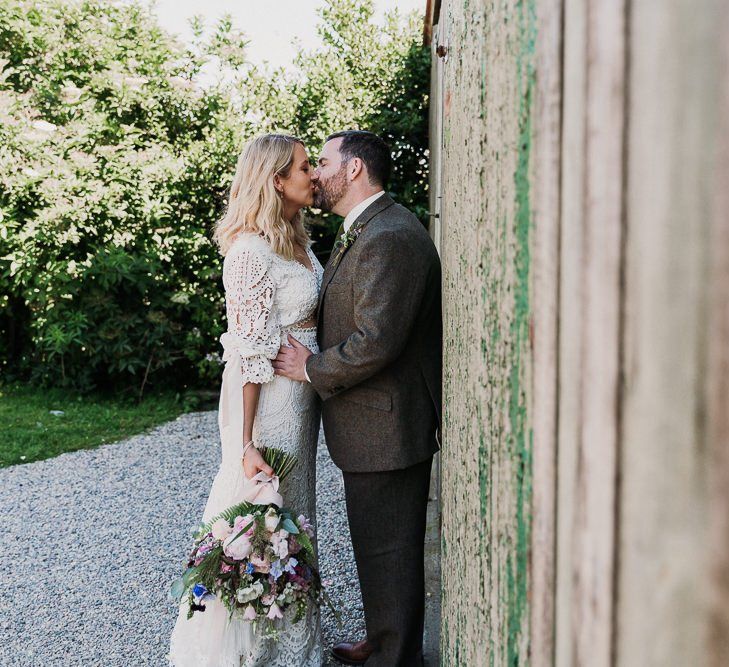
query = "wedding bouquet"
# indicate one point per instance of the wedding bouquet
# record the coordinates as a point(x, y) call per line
point(257, 559)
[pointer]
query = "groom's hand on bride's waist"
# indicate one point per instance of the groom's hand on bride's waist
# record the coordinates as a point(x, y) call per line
point(291, 361)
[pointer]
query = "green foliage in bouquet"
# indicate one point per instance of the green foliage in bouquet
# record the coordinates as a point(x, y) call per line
point(241, 509)
point(257, 560)
point(282, 463)
point(115, 157)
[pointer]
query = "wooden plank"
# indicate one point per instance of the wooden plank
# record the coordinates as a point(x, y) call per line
point(570, 324)
point(545, 290)
point(676, 77)
point(594, 535)
point(717, 414)
point(590, 328)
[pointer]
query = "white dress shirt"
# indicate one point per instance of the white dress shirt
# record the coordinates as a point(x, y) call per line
point(359, 208)
point(348, 222)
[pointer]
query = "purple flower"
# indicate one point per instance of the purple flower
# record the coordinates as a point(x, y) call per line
point(276, 569)
point(203, 549)
point(291, 566)
point(294, 546)
point(300, 581)
point(305, 525)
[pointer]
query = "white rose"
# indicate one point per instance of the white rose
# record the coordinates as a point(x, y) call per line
point(272, 519)
point(220, 529)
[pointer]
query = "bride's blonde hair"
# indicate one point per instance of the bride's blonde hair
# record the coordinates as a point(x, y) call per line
point(254, 204)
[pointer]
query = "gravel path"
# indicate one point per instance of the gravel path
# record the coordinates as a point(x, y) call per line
point(91, 541)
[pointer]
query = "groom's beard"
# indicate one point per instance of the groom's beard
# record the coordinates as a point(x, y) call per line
point(328, 193)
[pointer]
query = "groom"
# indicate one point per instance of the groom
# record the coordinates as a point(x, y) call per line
point(379, 375)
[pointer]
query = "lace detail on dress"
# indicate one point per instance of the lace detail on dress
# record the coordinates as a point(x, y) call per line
point(266, 298)
point(253, 328)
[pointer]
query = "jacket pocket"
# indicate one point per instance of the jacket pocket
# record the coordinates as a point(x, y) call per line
point(371, 398)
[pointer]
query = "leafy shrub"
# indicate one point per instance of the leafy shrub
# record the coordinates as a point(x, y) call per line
point(114, 164)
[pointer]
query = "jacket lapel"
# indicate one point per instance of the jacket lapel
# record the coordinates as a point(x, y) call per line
point(376, 207)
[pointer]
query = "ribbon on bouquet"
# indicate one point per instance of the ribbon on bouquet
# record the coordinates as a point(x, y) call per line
point(230, 412)
point(232, 484)
point(262, 490)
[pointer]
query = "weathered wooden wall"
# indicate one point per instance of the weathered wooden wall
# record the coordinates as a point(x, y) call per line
point(488, 84)
point(674, 401)
point(581, 181)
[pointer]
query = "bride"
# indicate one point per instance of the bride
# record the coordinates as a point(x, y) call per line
point(271, 279)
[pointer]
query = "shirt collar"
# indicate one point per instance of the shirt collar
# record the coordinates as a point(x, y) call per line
point(355, 212)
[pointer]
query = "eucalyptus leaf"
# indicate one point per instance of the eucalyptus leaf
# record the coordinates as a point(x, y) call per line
point(177, 590)
point(289, 526)
point(179, 586)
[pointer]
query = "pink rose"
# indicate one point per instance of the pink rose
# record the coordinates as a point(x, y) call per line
point(241, 522)
point(237, 547)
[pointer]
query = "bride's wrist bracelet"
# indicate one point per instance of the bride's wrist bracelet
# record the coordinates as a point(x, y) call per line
point(246, 446)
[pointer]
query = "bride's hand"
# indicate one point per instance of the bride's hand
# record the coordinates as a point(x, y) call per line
point(253, 463)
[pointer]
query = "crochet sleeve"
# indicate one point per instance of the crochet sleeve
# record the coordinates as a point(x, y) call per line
point(253, 329)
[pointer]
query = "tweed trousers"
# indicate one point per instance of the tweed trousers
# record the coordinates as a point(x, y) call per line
point(387, 519)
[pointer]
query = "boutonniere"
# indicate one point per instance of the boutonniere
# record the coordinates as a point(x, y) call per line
point(344, 241)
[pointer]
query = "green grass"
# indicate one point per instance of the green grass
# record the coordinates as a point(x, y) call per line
point(29, 432)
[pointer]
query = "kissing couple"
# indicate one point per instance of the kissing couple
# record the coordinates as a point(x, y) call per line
point(355, 346)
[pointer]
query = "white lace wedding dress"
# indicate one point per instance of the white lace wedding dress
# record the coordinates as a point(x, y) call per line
point(266, 299)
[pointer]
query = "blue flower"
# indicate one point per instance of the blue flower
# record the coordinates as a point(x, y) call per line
point(198, 590)
point(250, 569)
point(291, 565)
point(276, 569)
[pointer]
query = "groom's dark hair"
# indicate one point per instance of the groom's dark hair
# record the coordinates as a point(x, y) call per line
point(369, 148)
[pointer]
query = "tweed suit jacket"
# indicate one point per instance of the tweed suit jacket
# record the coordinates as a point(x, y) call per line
point(380, 335)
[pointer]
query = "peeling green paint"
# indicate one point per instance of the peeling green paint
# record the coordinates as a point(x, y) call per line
point(487, 444)
point(521, 439)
